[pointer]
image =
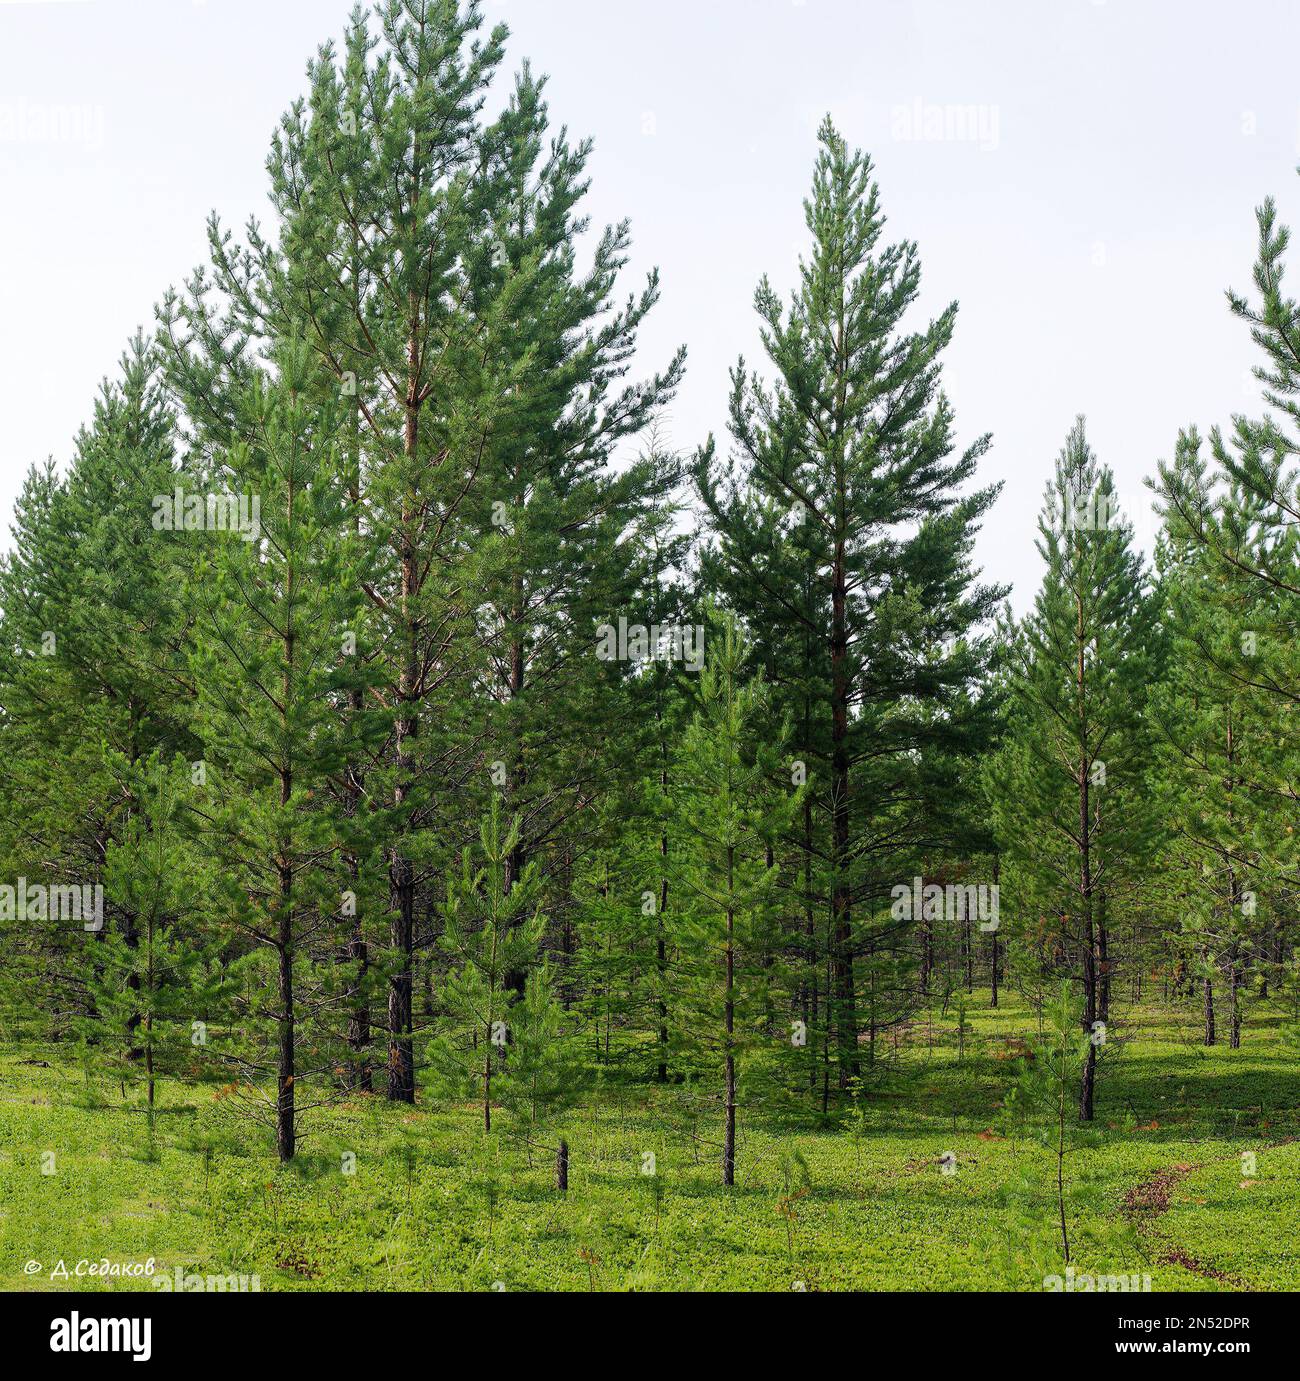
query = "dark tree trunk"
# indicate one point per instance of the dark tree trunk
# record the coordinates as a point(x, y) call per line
point(562, 1167)
point(401, 1045)
point(286, 1071)
point(358, 952)
point(729, 1134)
point(729, 1023)
point(809, 995)
point(927, 954)
point(1088, 1083)
point(359, 1009)
point(846, 1023)
point(993, 937)
point(1235, 902)
point(487, 1084)
point(285, 1130)
point(1234, 986)
point(285, 1074)
point(1103, 963)
point(661, 965)
point(131, 939)
point(517, 860)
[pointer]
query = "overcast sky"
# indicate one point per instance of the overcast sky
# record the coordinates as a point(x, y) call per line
point(1089, 198)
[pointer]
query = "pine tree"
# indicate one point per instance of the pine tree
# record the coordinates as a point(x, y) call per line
point(157, 989)
point(1040, 1102)
point(728, 812)
point(567, 523)
point(93, 671)
point(275, 614)
point(1210, 738)
point(629, 894)
point(50, 757)
point(844, 542)
point(492, 929)
point(1235, 515)
point(1071, 803)
point(371, 182)
point(544, 1074)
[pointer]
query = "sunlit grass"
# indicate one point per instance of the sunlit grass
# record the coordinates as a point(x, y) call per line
point(431, 1205)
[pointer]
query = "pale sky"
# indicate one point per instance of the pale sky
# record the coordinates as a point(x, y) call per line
point(1088, 216)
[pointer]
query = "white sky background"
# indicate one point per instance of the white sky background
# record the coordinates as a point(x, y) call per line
point(1088, 234)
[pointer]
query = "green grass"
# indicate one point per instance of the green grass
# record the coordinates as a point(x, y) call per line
point(430, 1208)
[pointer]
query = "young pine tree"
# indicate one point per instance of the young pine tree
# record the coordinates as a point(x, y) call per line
point(1239, 513)
point(492, 929)
point(544, 1072)
point(1212, 749)
point(1042, 1104)
point(275, 619)
point(731, 802)
point(92, 669)
point(155, 992)
point(1071, 803)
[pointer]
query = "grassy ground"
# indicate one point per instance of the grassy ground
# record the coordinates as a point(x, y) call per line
point(428, 1207)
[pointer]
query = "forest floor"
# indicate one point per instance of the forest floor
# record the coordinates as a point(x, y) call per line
point(921, 1191)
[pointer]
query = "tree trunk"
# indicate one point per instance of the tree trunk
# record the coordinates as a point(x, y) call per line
point(152, 987)
point(927, 953)
point(562, 1167)
point(993, 937)
point(284, 1108)
point(517, 860)
point(661, 961)
point(286, 1073)
point(131, 939)
point(487, 1080)
point(1234, 902)
point(1234, 981)
point(359, 1015)
point(401, 1046)
point(729, 1135)
point(285, 1131)
point(148, 1057)
point(846, 1023)
point(357, 951)
point(969, 949)
point(1088, 1084)
point(1103, 963)
point(809, 996)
